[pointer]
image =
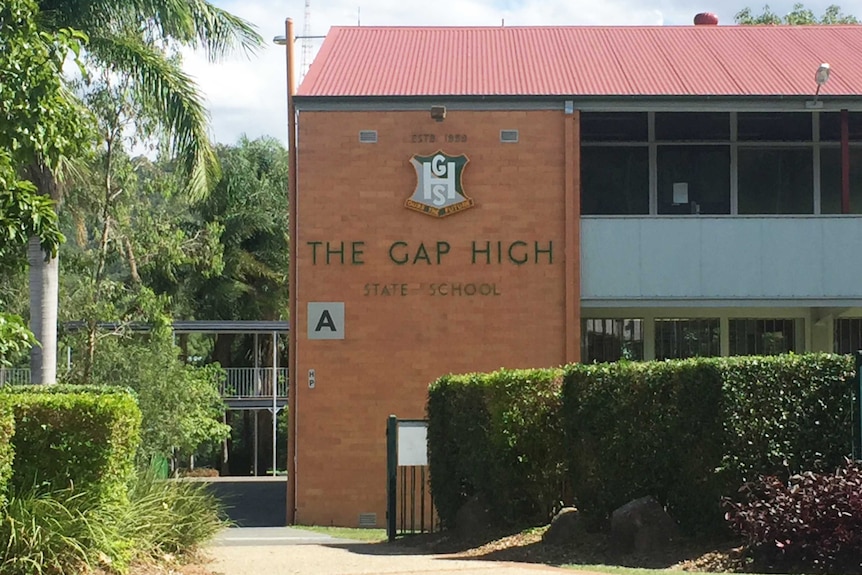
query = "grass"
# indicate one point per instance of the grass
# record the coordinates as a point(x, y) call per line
point(354, 533)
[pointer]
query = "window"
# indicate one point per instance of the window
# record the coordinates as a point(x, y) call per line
point(614, 180)
point(776, 180)
point(774, 127)
point(848, 335)
point(614, 127)
point(830, 180)
point(830, 126)
point(762, 336)
point(682, 338)
point(606, 340)
point(692, 126)
point(703, 172)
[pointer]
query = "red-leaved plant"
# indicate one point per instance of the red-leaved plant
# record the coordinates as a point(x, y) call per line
point(813, 522)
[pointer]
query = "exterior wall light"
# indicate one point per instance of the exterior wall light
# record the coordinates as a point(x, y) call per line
point(821, 77)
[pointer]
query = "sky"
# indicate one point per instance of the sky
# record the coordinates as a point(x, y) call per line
point(246, 95)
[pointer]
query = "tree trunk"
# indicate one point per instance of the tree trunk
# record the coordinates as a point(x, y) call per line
point(44, 294)
point(44, 288)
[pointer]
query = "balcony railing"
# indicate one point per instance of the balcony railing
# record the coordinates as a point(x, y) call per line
point(248, 382)
point(239, 382)
point(14, 375)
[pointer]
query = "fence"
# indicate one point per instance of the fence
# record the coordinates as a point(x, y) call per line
point(242, 382)
point(14, 375)
point(409, 503)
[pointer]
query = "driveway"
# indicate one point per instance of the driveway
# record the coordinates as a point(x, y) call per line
point(289, 551)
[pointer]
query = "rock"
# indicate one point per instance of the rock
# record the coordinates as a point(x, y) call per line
point(641, 525)
point(564, 528)
point(472, 519)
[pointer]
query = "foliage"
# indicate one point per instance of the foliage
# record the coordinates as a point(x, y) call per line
point(72, 530)
point(50, 533)
point(169, 516)
point(497, 436)
point(181, 404)
point(686, 432)
point(250, 204)
point(785, 414)
point(15, 338)
point(39, 119)
point(73, 437)
point(645, 428)
point(812, 522)
point(7, 453)
point(799, 16)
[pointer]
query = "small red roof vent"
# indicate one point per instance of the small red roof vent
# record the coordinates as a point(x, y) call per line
point(706, 19)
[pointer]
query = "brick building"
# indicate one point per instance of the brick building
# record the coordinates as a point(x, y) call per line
point(474, 198)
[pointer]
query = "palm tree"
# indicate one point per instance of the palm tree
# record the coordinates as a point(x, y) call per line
point(135, 39)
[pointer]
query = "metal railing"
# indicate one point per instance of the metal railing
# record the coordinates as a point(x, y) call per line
point(14, 375)
point(242, 382)
point(239, 382)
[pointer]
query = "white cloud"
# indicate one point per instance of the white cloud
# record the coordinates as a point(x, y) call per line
point(248, 95)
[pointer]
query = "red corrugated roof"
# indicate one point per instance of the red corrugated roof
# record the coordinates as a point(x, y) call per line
point(586, 61)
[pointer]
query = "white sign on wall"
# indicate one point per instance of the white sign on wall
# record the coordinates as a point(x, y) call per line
point(412, 443)
point(326, 320)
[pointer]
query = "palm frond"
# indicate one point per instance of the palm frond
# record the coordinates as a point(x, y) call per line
point(170, 97)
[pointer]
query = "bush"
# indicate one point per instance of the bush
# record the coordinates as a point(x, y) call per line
point(650, 428)
point(785, 414)
point(55, 533)
point(497, 436)
point(73, 530)
point(7, 428)
point(169, 516)
point(811, 522)
point(68, 437)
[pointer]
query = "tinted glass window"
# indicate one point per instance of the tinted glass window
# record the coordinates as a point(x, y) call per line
point(702, 171)
point(774, 126)
point(614, 127)
point(692, 126)
point(776, 181)
point(614, 180)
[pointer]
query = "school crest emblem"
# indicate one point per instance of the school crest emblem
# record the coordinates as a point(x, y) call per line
point(439, 191)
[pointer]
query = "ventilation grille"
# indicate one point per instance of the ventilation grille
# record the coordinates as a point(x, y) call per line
point(509, 136)
point(368, 520)
point(367, 136)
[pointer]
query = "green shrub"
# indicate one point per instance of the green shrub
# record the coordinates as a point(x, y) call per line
point(169, 516)
point(7, 428)
point(53, 533)
point(785, 414)
point(67, 437)
point(649, 428)
point(499, 437)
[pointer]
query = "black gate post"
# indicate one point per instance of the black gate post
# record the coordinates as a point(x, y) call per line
point(857, 409)
point(391, 474)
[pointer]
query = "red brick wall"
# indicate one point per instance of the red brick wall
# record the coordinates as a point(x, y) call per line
point(395, 345)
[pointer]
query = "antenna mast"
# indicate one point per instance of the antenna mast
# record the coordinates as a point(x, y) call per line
point(306, 42)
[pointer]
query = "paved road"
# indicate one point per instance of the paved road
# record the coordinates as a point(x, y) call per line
point(289, 551)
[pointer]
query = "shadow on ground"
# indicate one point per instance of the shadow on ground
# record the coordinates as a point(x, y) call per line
point(527, 547)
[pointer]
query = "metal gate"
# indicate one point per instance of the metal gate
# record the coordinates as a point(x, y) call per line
point(409, 504)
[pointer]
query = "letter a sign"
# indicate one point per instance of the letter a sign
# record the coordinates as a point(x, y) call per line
point(325, 320)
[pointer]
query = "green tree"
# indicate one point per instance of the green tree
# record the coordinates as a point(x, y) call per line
point(40, 122)
point(136, 41)
point(799, 16)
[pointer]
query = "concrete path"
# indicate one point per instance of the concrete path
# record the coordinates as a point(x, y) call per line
point(289, 551)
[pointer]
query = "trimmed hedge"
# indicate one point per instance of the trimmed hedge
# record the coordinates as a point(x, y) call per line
point(687, 432)
point(71, 436)
point(7, 429)
point(638, 429)
point(496, 436)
